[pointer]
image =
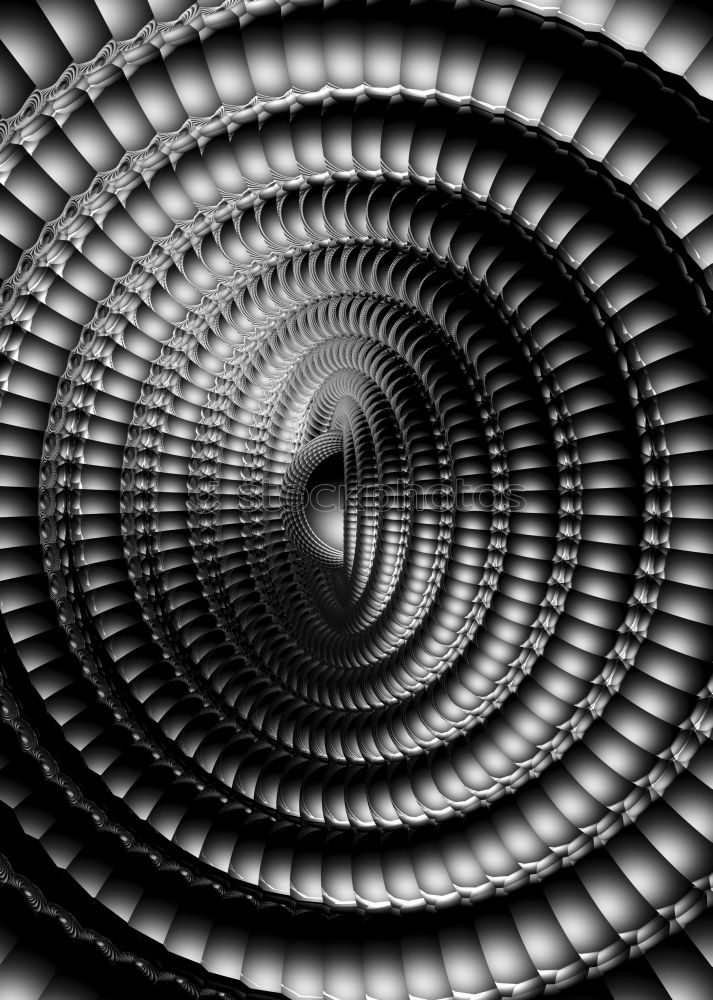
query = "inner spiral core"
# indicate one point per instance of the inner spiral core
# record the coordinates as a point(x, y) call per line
point(355, 429)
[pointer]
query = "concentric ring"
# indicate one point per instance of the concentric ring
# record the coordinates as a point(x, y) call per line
point(465, 250)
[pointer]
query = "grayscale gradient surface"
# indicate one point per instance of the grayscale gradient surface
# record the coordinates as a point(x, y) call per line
point(356, 458)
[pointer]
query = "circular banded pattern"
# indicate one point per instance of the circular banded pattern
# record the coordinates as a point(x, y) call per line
point(463, 249)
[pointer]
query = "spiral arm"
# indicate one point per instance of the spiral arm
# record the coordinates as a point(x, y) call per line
point(449, 737)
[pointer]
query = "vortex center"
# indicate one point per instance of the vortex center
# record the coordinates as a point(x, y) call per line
point(325, 500)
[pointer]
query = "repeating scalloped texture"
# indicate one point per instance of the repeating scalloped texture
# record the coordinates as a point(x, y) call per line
point(464, 251)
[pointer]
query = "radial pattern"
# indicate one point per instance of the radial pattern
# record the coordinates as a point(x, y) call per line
point(452, 263)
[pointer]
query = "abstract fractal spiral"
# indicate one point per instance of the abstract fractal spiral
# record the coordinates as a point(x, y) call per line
point(356, 496)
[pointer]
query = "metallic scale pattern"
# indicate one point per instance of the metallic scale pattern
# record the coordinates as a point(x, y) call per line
point(453, 262)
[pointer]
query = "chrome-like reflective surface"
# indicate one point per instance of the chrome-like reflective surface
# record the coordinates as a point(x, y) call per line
point(357, 476)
